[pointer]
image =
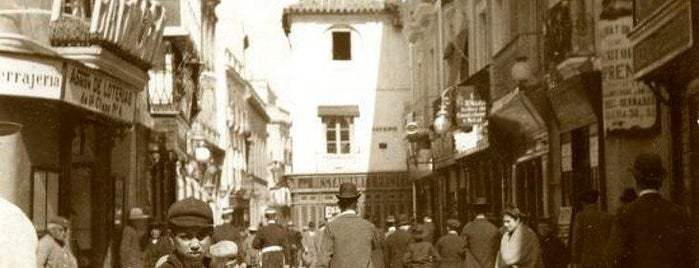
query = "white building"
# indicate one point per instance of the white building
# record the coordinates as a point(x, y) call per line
point(350, 82)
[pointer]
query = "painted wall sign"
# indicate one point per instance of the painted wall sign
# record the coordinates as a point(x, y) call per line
point(96, 91)
point(30, 77)
point(627, 103)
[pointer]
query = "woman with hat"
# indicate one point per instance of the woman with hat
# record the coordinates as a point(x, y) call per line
point(420, 253)
point(519, 246)
point(132, 246)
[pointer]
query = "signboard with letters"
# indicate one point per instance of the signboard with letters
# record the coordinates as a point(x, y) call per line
point(627, 103)
point(31, 77)
point(96, 91)
point(470, 110)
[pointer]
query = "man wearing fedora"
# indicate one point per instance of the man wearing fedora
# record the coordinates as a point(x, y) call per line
point(398, 241)
point(652, 231)
point(451, 246)
point(482, 238)
point(131, 247)
point(271, 241)
point(53, 249)
point(349, 241)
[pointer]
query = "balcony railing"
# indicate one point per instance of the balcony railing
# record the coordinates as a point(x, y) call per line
point(130, 29)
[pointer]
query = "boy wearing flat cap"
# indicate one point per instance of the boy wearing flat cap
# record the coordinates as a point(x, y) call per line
point(191, 224)
point(451, 246)
point(652, 231)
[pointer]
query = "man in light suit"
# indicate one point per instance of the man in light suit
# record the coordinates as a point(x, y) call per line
point(651, 231)
point(482, 238)
point(348, 241)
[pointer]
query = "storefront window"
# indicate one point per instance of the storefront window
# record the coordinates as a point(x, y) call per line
point(45, 197)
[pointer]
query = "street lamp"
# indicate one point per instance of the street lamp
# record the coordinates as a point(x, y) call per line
point(442, 123)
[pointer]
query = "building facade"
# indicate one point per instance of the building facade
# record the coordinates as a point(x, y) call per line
point(350, 82)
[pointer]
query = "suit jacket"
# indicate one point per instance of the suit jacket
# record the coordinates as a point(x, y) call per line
point(397, 243)
point(590, 234)
point(451, 249)
point(271, 235)
point(348, 242)
point(482, 243)
point(651, 232)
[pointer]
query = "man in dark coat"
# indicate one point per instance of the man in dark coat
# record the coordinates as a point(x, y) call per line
point(554, 251)
point(428, 227)
point(271, 240)
point(349, 241)
point(225, 231)
point(293, 237)
point(398, 241)
point(590, 233)
point(191, 225)
point(482, 238)
point(652, 231)
point(451, 246)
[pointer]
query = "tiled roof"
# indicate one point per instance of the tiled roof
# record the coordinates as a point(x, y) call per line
point(337, 6)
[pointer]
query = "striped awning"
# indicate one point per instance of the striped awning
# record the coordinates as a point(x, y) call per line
point(338, 110)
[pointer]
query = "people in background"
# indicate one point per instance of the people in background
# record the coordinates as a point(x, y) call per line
point(159, 244)
point(293, 237)
point(554, 251)
point(519, 246)
point(627, 197)
point(420, 253)
point(590, 233)
point(132, 239)
point(651, 231)
point(428, 227)
point(271, 241)
point(223, 254)
point(451, 246)
point(482, 238)
point(308, 244)
point(397, 243)
point(53, 249)
point(251, 255)
point(191, 225)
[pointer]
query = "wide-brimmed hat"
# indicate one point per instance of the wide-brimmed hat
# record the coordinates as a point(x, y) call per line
point(648, 166)
point(418, 232)
point(453, 223)
point(404, 219)
point(348, 190)
point(136, 213)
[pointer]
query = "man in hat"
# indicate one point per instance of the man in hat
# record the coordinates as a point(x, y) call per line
point(451, 246)
point(131, 248)
point(271, 240)
point(349, 240)
point(224, 254)
point(482, 238)
point(391, 223)
point(428, 228)
point(53, 249)
point(252, 255)
point(397, 243)
point(308, 244)
point(225, 231)
point(652, 231)
point(420, 253)
point(190, 224)
point(160, 244)
point(590, 233)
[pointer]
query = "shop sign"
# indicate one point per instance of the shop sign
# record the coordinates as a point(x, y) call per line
point(662, 40)
point(469, 109)
point(627, 103)
point(31, 77)
point(96, 91)
point(330, 210)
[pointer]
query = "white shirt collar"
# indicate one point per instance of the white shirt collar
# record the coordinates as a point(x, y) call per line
point(648, 191)
point(349, 211)
point(453, 232)
point(405, 227)
point(480, 216)
point(271, 221)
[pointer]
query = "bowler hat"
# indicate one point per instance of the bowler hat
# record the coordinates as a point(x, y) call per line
point(190, 212)
point(348, 191)
point(648, 166)
point(453, 223)
point(418, 232)
point(60, 221)
point(136, 213)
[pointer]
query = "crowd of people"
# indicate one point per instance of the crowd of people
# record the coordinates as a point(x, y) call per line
point(646, 231)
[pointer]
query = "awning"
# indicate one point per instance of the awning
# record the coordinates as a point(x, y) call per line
point(571, 100)
point(338, 110)
point(518, 108)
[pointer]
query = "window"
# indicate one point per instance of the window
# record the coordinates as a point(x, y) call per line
point(342, 45)
point(45, 197)
point(337, 135)
point(383, 145)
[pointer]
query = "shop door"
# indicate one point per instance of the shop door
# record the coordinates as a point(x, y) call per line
point(529, 187)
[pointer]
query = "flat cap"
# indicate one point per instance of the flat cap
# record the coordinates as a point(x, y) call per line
point(224, 249)
point(60, 221)
point(190, 212)
point(454, 223)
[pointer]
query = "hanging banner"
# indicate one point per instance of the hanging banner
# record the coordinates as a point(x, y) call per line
point(627, 103)
point(98, 92)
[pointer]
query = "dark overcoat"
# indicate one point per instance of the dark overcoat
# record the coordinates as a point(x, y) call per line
point(482, 243)
point(451, 249)
point(397, 243)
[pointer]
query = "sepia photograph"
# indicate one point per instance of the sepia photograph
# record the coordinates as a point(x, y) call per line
point(349, 133)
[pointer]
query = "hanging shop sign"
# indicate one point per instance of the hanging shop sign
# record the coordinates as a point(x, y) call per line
point(470, 110)
point(627, 103)
point(30, 76)
point(98, 92)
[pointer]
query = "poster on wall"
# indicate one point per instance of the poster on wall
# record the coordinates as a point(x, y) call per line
point(627, 103)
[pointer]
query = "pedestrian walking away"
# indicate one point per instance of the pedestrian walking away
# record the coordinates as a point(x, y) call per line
point(590, 233)
point(271, 240)
point(651, 231)
point(451, 246)
point(252, 255)
point(398, 242)
point(191, 225)
point(308, 244)
point(519, 246)
point(553, 250)
point(420, 253)
point(482, 238)
point(349, 241)
point(133, 235)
